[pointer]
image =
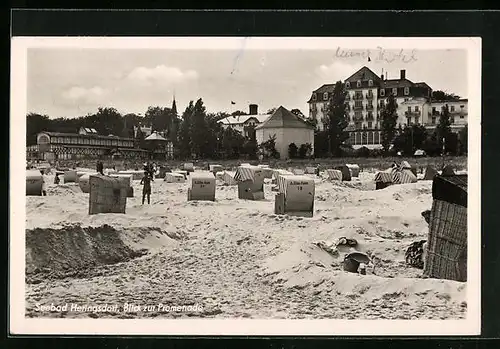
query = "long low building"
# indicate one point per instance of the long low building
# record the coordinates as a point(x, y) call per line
point(65, 146)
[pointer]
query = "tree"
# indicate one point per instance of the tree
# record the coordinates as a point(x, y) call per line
point(298, 113)
point(271, 111)
point(139, 139)
point(238, 112)
point(409, 139)
point(159, 118)
point(35, 123)
point(292, 150)
point(439, 95)
point(232, 142)
point(463, 140)
point(269, 147)
point(199, 129)
point(305, 150)
point(320, 143)
point(443, 129)
point(213, 137)
point(184, 136)
point(431, 145)
point(107, 121)
point(389, 118)
point(336, 119)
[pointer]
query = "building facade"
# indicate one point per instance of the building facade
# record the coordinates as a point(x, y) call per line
point(245, 123)
point(66, 146)
point(367, 93)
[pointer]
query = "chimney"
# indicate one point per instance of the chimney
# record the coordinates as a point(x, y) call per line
point(403, 74)
point(254, 108)
point(382, 77)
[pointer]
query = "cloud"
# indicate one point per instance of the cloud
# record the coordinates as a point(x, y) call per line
point(335, 71)
point(84, 95)
point(161, 74)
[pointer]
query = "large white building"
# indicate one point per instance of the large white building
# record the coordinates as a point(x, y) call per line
point(367, 93)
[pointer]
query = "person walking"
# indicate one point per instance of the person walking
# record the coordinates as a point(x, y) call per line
point(146, 189)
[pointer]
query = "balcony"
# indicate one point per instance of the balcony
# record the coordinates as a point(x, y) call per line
point(357, 118)
point(369, 107)
point(357, 107)
point(357, 97)
point(369, 96)
point(410, 114)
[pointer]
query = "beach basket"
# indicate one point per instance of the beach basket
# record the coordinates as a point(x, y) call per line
point(250, 182)
point(34, 183)
point(346, 172)
point(202, 187)
point(446, 248)
point(430, 173)
point(296, 196)
point(334, 175)
point(448, 171)
point(174, 177)
point(354, 168)
point(107, 194)
point(228, 178)
point(70, 176)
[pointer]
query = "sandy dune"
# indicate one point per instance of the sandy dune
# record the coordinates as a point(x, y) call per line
point(235, 258)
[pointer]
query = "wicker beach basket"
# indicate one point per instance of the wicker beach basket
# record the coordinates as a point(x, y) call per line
point(446, 248)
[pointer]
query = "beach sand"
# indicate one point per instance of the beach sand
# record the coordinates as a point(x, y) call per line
point(234, 258)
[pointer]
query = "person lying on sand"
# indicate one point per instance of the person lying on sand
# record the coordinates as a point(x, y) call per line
point(146, 189)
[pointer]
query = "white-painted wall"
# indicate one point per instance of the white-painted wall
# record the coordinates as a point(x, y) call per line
point(285, 136)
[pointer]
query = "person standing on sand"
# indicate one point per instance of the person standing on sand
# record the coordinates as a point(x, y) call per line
point(146, 189)
point(100, 167)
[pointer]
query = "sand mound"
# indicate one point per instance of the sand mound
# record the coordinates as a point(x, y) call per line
point(75, 251)
point(63, 189)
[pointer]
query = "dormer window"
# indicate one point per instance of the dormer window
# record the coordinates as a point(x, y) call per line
point(395, 91)
point(314, 97)
point(382, 92)
point(325, 96)
point(370, 83)
point(407, 91)
point(347, 84)
point(358, 83)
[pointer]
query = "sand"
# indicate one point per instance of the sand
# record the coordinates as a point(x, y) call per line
point(235, 258)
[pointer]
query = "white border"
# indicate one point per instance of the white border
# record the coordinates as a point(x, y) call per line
point(21, 325)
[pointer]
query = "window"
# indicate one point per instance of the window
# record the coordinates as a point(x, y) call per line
point(382, 104)
point(314, 97)
point(325, 96)
point(433, 110)
point(452, 108)
point(407, 91)
point(407, 99)
point(358, 83)
point(408, 121)
point(452, 120)
point(358, 115)
point(433, 120)
point(382, 92)
point(370, 82)
point(461, 107)
point(358, 104)
point(461, 117)
point(409, 109)
point(347, 84)
point(416, 108)
point(370, 124)
point(395, 91)
point(358, 125)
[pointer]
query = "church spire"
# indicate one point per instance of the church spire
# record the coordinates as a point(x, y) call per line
point(174, 106)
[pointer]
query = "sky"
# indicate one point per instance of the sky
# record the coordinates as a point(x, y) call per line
point(73, 82)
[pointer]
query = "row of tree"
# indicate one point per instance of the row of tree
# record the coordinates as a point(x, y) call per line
point(197, 133)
